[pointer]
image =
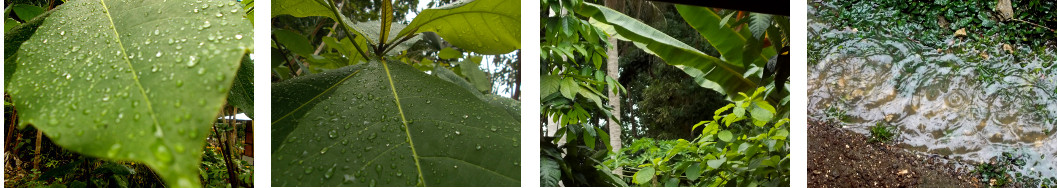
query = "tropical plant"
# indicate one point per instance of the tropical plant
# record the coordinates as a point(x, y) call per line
point(138, 81)
point(362, 111)
point(738, 148)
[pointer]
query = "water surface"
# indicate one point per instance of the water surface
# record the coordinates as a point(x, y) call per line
point(951, 101)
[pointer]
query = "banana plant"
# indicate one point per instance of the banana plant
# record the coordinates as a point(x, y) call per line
point(743, 52)
point(374, 119)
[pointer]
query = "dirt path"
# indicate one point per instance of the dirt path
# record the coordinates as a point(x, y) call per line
point(840, 158)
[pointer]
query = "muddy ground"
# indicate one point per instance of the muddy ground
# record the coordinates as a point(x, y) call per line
point(841, 158)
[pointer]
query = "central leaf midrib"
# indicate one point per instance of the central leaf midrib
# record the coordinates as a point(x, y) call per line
point(403, 121)
point(117, 36)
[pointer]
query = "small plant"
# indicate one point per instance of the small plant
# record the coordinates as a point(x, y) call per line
point(835, 115)
point(882, 132)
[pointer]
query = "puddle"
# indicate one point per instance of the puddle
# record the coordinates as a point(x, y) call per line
point(952, 102)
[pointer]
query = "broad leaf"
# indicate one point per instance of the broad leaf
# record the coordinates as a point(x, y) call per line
point(138, 81)
point(693, 172)
point(725, 135)
point(483, 26)
point(724, 38)
point(350, 127)
point(707, 71)
point(302, 8)
point(550, 172)
point(644, 175)
point(241, 94)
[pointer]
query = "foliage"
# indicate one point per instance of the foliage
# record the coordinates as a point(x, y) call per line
point(214, 171)
point(922, 19)
point(121, 82)
point(417, 129)
point(882, 132)
point(741, 53)
point(1001, 172)
point(738, 148)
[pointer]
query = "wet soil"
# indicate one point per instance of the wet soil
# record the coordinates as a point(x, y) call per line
point(842, 158)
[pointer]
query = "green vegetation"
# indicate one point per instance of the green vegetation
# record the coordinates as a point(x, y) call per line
point(102, 83)
point(736, 149)
point(377, 100)
point(689, 61)
point(1001, 172)
point(882, 132)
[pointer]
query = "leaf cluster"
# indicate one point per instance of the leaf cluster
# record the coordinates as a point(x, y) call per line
point(740, 147)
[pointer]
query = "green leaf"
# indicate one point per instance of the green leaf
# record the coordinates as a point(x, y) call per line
point(724, 38)
point(725, 135)
point(449, 53)
point(707, 71)
point(715, 163)
point(387, 20)
point(467, 23)
point(27, 12)
point(644, 175)
point(389, 137)
point(294, 42)
point(241, 94)
point(693, 172)
point(103, 80)
point(448, 75)
point(759, 24)
point(548, 85)
point(550, 172)
point(761, 110)
point(302, 8)
point(569, 88)
point(589, 137)
point(10, 23)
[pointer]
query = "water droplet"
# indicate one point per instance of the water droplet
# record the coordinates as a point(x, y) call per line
point(238, 36)
point(330, 172)
point(62, 33)
point(220, 14)
point(349, 178)
point(458, 133)
point(196, 10)
point(428, 101)
point(192, 61)
point(158, 54)
point(162, 153)
point(333, 133)
point(155, 31)
point(308, 170)
point(324, 150)
point(113, 150)
point(465, 116)
point(478, 147)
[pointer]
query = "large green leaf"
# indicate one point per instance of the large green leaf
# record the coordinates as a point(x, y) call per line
point(302, 8)
point(482, 26)
point(729, 42)
point(138, 81)
point(707, 71)
point(351, 127)
point(241, 94)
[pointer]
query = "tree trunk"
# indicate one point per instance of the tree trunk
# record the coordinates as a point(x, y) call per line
point(36, 153)
point(612, 66)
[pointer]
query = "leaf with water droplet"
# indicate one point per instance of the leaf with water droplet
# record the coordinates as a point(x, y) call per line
point(112, 67)
point(409, 149)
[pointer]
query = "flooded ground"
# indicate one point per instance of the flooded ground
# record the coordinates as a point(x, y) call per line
point(970, 100)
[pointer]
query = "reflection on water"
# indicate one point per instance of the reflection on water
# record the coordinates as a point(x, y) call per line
point(948, 103)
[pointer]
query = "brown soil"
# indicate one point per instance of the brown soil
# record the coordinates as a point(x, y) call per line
point(841, 158)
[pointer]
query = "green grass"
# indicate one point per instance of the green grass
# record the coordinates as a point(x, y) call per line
point(882, 132)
